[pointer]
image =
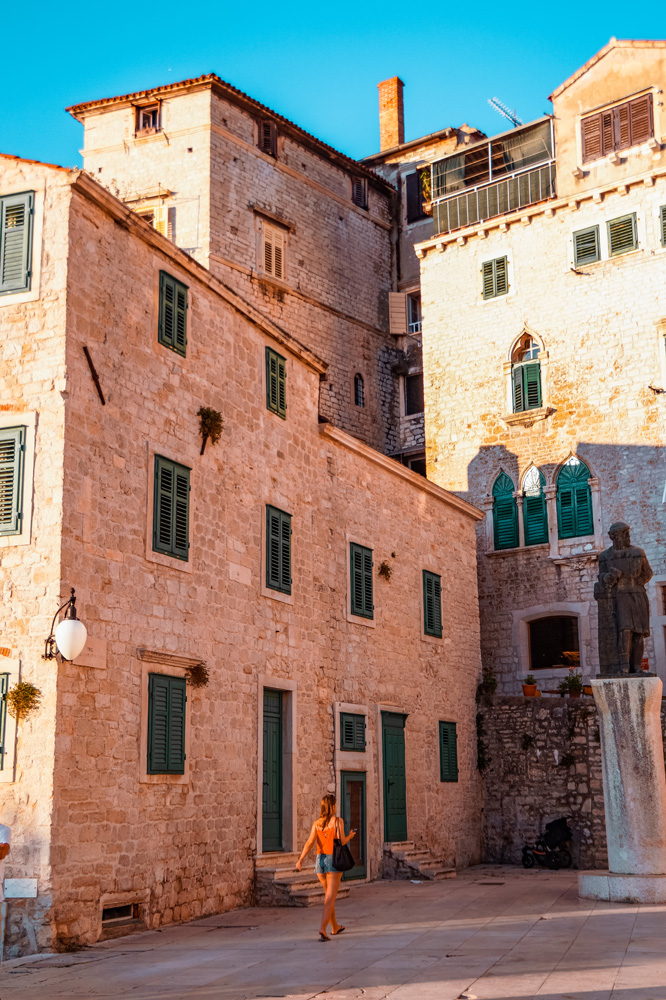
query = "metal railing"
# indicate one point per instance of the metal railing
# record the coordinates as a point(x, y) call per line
point(415, 327)
point(490, 200)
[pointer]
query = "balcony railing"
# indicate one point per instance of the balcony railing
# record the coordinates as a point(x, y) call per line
point(488, 202)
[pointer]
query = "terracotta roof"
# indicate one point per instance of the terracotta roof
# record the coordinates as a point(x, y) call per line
point(614, 43)
point(39, 163)
point(244, 100)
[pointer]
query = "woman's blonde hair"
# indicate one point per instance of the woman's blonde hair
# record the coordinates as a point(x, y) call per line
point(327, 810)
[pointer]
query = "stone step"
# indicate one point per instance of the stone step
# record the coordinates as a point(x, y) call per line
point(400, 845)
point(276, 859)
point(314, 896)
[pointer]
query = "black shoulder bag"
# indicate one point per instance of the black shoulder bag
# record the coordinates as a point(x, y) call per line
point(343, 860)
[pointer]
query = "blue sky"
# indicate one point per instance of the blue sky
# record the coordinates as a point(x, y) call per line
point(316, 64)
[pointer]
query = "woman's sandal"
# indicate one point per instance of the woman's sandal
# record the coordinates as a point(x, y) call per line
point(339, 931)
point(323, 937)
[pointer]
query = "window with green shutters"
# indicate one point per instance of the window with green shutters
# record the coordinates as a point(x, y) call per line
point(505, 513)
point(12, 452)
point(361, 581)
point(622, 235)
point(535, 516)
point(4, 687)
point(574, 500)
point(495, 277)
point(352, 731)
point(662, 225)
point(167, 699)
point(526, 386)
point(448, 752)
point(173, 314)
point(278, 550)
point(171, 509)
point(586, 246)
point(276, 383)
point(432, 604)
point(16, 216)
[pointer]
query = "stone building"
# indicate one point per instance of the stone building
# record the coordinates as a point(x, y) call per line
point(329, 591)
point(544, 324)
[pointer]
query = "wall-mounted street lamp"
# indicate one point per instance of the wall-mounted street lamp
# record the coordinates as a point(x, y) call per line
point(70, 634)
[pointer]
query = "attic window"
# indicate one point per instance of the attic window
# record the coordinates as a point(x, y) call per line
point(626, 125)
point(267, 138)
point(148, 119)
point(360, 192)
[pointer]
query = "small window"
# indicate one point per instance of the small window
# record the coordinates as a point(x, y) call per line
point(432, 604)
point(586, 246)
point(505, 513)
point(278, 550)
point(12, 451)
point(148, 118)
point(352, 732)
point(359, 390)
point(662, 225)
point(166, 724)
point(574, 500)
point(535, 516)
point(414, 313)
point(128, 913)
point(495, 277)
point(621, 127)
point(360, 191)
point(267, 137)
point(276, 383)
point(171, 509)
point(273, 241)
point(661, 592)
point(361, 581)
point(172, 329)
point(415, 196)
point(622, 236)
point(417, 463)
point(16, 214)
point(414, 394)
point(554, 642)
point(4, 687)
point(448, 751)
point(526, 375)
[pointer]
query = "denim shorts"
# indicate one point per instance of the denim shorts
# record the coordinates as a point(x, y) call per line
point(324, 865)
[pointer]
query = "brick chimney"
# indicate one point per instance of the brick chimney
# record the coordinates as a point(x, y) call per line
point(391, 115)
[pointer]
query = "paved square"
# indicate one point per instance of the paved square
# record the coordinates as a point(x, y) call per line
point(495, 932)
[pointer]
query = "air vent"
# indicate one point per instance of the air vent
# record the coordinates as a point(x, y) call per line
point(114, 915)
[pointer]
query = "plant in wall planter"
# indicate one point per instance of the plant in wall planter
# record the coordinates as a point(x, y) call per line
point(23, 699)
point(530, 686)
point(572, 684)
point(210, 424)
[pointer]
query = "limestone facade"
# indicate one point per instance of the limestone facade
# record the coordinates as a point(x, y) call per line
point(89, 823)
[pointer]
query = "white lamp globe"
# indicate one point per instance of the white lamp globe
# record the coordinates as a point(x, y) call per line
point(70, 637)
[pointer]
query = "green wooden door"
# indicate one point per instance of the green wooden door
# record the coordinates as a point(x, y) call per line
point(271, 824)
point(352, 794)
point(395, 787)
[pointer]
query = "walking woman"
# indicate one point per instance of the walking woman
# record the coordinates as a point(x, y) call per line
point(324, 831)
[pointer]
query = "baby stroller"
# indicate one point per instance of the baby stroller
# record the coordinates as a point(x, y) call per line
point(550, 850)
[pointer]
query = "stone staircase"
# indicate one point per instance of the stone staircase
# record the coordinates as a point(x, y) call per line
point(403, 860)
point(277, 883)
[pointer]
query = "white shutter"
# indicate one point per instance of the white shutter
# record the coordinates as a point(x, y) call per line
point(397, 312)
point(161, 219)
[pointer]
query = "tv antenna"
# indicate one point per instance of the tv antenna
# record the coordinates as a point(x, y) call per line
point(502, 110)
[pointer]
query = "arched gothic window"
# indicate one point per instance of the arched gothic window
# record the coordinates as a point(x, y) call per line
point(505, 513)
point(359, 390)
point(574, 500)
point(526, 374)
point(535, 516)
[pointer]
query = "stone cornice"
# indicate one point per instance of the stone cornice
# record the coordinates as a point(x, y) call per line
point(126, 217)
point(351, 443)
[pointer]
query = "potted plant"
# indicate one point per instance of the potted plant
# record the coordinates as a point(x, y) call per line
point(530, 686)
point(572, 684)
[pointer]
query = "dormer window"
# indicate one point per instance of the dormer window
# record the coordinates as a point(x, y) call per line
point(621, 127)
point(267, 137)
point(148, 118)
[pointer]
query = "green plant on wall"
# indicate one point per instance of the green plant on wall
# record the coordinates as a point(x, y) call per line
point(210, 423)
point(482, 758)
point(23, 699)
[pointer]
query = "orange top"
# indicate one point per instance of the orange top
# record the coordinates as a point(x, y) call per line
point(325, 838)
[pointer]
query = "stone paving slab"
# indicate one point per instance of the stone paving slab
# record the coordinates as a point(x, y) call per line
point(496, 933)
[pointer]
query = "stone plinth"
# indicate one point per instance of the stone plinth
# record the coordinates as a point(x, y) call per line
point(634, 792)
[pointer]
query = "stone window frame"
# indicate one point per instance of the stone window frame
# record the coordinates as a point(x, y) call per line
point(158, 662)
point(8, 772)
point(527, 417)
point(484, 257)
point(289, 690)
point(244, 575)
point(33, 293)
point(180, 565)
point(520, 637)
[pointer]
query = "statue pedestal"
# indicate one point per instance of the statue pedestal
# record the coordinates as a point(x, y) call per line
point(634, 792)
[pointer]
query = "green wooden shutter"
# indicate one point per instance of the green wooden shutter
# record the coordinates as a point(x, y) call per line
point(622, 235)
point(505, 513)
point(574, 500)
point(167, 699)
point(517, 389)
point(352, 732)
point(361, 581)
point(532, 385)
point(448, 751)
point(501, 276)
point(16, 214)
point(276, 383)
point(4, 687)
point(278, 550)
point(12, 450)
point(662, 224)
point(583, 508)
point(535, 520)
point(171, 508)
point(586, 246)
point(566, 515)
point(172, 330)
point(432, 604)
point(488, 280)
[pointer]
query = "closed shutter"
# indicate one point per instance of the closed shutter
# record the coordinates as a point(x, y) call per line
point(622, 235)
point(488, 280)
point(171, 508)
point(591, 138)
point(532, 385)
point(397, 313)
point(278, 550)
point(566, 515)
point(517, 389)
point(4, 687)
point(448, 751)
point(172, 329)
point(352, 732)
point(359, 192)
point(621, 127)
point(167, 700)
point(495, 277)
point(583, 510)
point(642, 121)
point(535, 520)
point(267, 141)
point(574, 500)
point(662, 224)
point(12, 449)
point(432, 604)
point(161, 219)
point(607, 139)
point(273, 243)
point(361, 581)
point(276, 383)
point(586, 246)
point(505, 513)
point(16, 214)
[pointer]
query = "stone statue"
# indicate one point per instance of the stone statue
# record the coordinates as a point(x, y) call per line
point(624, 612)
